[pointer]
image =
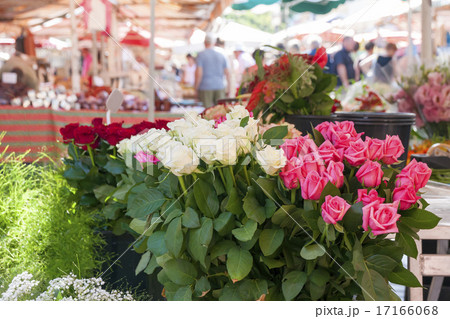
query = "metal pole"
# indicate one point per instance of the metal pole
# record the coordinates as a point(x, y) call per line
point(151, 87)
point(427, 42)
point(410, 55)
point(94, 53)
point(75, 54)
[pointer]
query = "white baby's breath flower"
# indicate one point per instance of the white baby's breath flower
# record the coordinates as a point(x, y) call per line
point(271, 159)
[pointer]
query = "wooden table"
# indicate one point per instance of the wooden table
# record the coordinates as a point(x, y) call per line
point(438, 265)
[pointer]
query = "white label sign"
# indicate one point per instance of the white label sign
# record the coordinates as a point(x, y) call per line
point(114, 101)
point(9, 77)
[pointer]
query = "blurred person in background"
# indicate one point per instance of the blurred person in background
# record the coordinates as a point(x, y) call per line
point(384, 69)
point(245, 61)
point(343, 64)
point(316, 43)
point(365, 60)
point(21, 65)
point(189, 71)
point(212, 67)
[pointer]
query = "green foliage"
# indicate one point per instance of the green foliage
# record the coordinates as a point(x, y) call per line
point(42, 231)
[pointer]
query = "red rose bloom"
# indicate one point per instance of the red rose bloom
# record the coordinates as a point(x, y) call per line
point(256, 96)
point(67, 132)
point(321, 57)
point(85, 135)
point(98, 121)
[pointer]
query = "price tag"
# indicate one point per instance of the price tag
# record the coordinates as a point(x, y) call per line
point(9, 77)
point(114, 101)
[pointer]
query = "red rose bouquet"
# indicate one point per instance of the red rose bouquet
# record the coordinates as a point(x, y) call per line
point(92, 166)
point(292, 84)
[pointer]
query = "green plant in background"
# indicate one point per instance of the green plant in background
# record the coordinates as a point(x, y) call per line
point(42, 231)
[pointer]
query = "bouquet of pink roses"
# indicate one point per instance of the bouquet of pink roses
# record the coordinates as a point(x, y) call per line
point(228, 213)
point(428, 95)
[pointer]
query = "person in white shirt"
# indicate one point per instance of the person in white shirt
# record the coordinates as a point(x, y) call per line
point(189, 71)
point(245, 61)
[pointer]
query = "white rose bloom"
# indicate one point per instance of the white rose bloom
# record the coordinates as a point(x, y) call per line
point(178, 158)
point(206, 148)
point(153, 140)
point(190, 135)
point(129, 145)
point(252, 129)
point(232, 128)
point(227, 150)
point(237, 112)
point(271, 159)
point(178, 126)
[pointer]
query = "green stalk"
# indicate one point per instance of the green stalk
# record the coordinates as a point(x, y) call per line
point(347, 242)
point(115, 151)
point(324, 234)
point(364, 236)
point(91, 155)
point(75, 150)
point(222, 177)
point(232, 175)
point(183, 185)
point(293, 191)
point(246, 175)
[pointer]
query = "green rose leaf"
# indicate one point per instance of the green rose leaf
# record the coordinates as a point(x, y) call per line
point(202, 287)
point(239, 263)
point(382, 264)
point(190, 218)
point(115, 167)
point(252, 208)
point(374, 286)
point(275, 133)
point(174, 237)
point(419, 218)
point(353, 218)
point(221, 248)
point(183, 294)
point(312, 251)
point(234, 204)
point(143, 262)
point(246, 232)
point(199, 240)
point(156, 243)
point(180, 271)
point(145, 203)
point(272, 262)
point(408, 244)
point(224, 223)
point(206, 198)
point(270, 240)
point(403, 276)
point(293, 283)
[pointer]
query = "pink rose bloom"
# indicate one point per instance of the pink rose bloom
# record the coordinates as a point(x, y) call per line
point(313, 185)
point(144, 157)
point(392, 149)
point(370, 174)
point(347, 127)
point(374, 148)
point(329, 153)
point(335, 173)
point(356, 154)
point(291, 173)
point(367, 198)
point(435, 78)
point(422, 95)
point(334, 209)
point(416, 172)
point(312, 162)
point(381, 218)
point(299, 146)
point(290, 148)
point(325, 129)
point(406, 195)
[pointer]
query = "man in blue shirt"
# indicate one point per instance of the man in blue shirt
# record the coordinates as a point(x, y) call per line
point(343, 63)
point(212, 66)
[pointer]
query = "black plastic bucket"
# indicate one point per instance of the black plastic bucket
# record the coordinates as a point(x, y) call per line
point(305, 123)
point(377, 125)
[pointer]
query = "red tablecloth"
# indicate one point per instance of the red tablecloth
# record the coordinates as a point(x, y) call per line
point(37, 130)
